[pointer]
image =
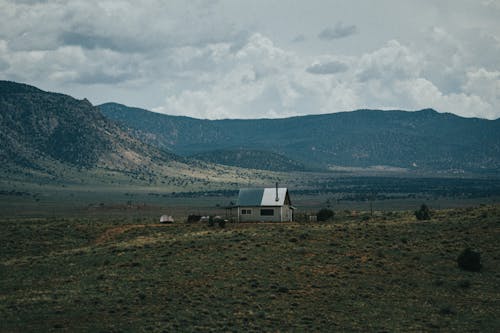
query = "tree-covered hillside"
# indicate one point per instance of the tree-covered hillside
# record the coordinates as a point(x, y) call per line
point(421, 140)
point(251, 159)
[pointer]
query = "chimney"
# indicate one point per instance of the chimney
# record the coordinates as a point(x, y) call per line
point(277, 197)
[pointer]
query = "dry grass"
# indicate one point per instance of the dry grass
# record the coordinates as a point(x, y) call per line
point(388, 273)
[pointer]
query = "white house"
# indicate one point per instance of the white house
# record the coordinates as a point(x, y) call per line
point(264, 204)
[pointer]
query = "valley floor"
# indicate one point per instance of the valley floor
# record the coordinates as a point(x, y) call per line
point(117, 273)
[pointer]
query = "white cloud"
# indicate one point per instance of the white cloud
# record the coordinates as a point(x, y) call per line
point(211, 59)
point(391, 62)
point(263, 80)
point(253, 82)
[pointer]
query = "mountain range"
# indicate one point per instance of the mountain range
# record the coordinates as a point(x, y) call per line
point(420, 140)
point(55, 136)
point(38, 126)
point(48, 137)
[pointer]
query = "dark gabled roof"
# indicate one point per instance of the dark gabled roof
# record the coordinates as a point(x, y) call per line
point(262, 196)
point(250, 197)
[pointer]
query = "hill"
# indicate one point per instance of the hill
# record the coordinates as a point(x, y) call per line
point(421, 140)
point(37, 127)
point(386, 273)
point(53, 138)
point(251, 159)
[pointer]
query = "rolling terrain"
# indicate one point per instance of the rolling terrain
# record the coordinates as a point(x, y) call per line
point(422, 141)
point(50, 138)
point(385, 273)
point(252, 159)
point(62, 154)
point(82, 250)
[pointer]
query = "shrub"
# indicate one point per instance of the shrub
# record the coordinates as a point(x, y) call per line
point(423, 213)
point(193, 218)
point(469, 260)
point(325, 214)
point(222, 223)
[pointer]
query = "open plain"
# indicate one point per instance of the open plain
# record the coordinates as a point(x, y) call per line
point(360, 272)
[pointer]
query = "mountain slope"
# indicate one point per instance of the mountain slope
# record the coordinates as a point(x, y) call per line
point(424, 139)
point(38, 126)
point(35, 124)
point(53, 139)
point(251, 159)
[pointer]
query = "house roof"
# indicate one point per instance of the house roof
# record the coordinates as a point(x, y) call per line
point(262, 196)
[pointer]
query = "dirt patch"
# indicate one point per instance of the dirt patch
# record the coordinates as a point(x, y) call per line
point(111, 233)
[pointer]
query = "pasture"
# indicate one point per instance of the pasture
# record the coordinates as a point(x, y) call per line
point(120, 272)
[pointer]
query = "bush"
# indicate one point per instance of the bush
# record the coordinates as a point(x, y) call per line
point(193, 218)
point(222, 223)
point(325, 214)
point(423, 213)
point(213, 220)
point(469, 260)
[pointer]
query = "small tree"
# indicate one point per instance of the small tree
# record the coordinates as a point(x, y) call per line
point(469, 260)
point(423, 213)
point(193, 218)
point(211, 221)
point(325, 214)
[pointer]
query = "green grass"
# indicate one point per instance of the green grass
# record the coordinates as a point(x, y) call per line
point(120, 274)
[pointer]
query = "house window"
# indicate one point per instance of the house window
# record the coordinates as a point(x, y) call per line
point(266, 212)
point(246, 212)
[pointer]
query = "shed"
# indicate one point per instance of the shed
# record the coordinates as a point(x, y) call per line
point(166, 219)
point(270, 204)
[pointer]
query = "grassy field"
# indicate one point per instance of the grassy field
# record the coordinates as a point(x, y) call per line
point(309, 192)
point(125, 273)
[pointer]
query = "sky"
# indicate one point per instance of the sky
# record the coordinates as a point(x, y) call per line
point(217, 59)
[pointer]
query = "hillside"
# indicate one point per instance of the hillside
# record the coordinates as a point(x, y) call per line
point(251, 159)
point(38, 127)
point(421, 140)
point(53, 138)
point(386, 273)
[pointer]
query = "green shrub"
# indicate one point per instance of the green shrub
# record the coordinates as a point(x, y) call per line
point(325, 214)
point(193, 218)
point(469, 260)
point(423, 213)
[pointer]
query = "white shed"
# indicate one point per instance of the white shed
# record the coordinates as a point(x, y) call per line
point(166, 219)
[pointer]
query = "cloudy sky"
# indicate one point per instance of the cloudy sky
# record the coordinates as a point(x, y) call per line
point(259, 58)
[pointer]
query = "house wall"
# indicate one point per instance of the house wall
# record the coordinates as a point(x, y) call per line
point(281, 214)
point(287, 214)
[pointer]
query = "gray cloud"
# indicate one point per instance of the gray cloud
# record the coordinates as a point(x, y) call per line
point(299, 38)
point(121, 43)
point(88, 41)
point(331, 67)
point(226, 58)
point(31, 2)
point(4, 65)
point(102, 77)
point(339, 31)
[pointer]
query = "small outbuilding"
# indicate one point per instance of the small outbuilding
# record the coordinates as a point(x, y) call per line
point(264, 204)
point(166, 219)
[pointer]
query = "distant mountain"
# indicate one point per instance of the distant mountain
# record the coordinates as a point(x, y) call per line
point(251, 159)
point(421, 140)
point(37, 125)
point(44, 133)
